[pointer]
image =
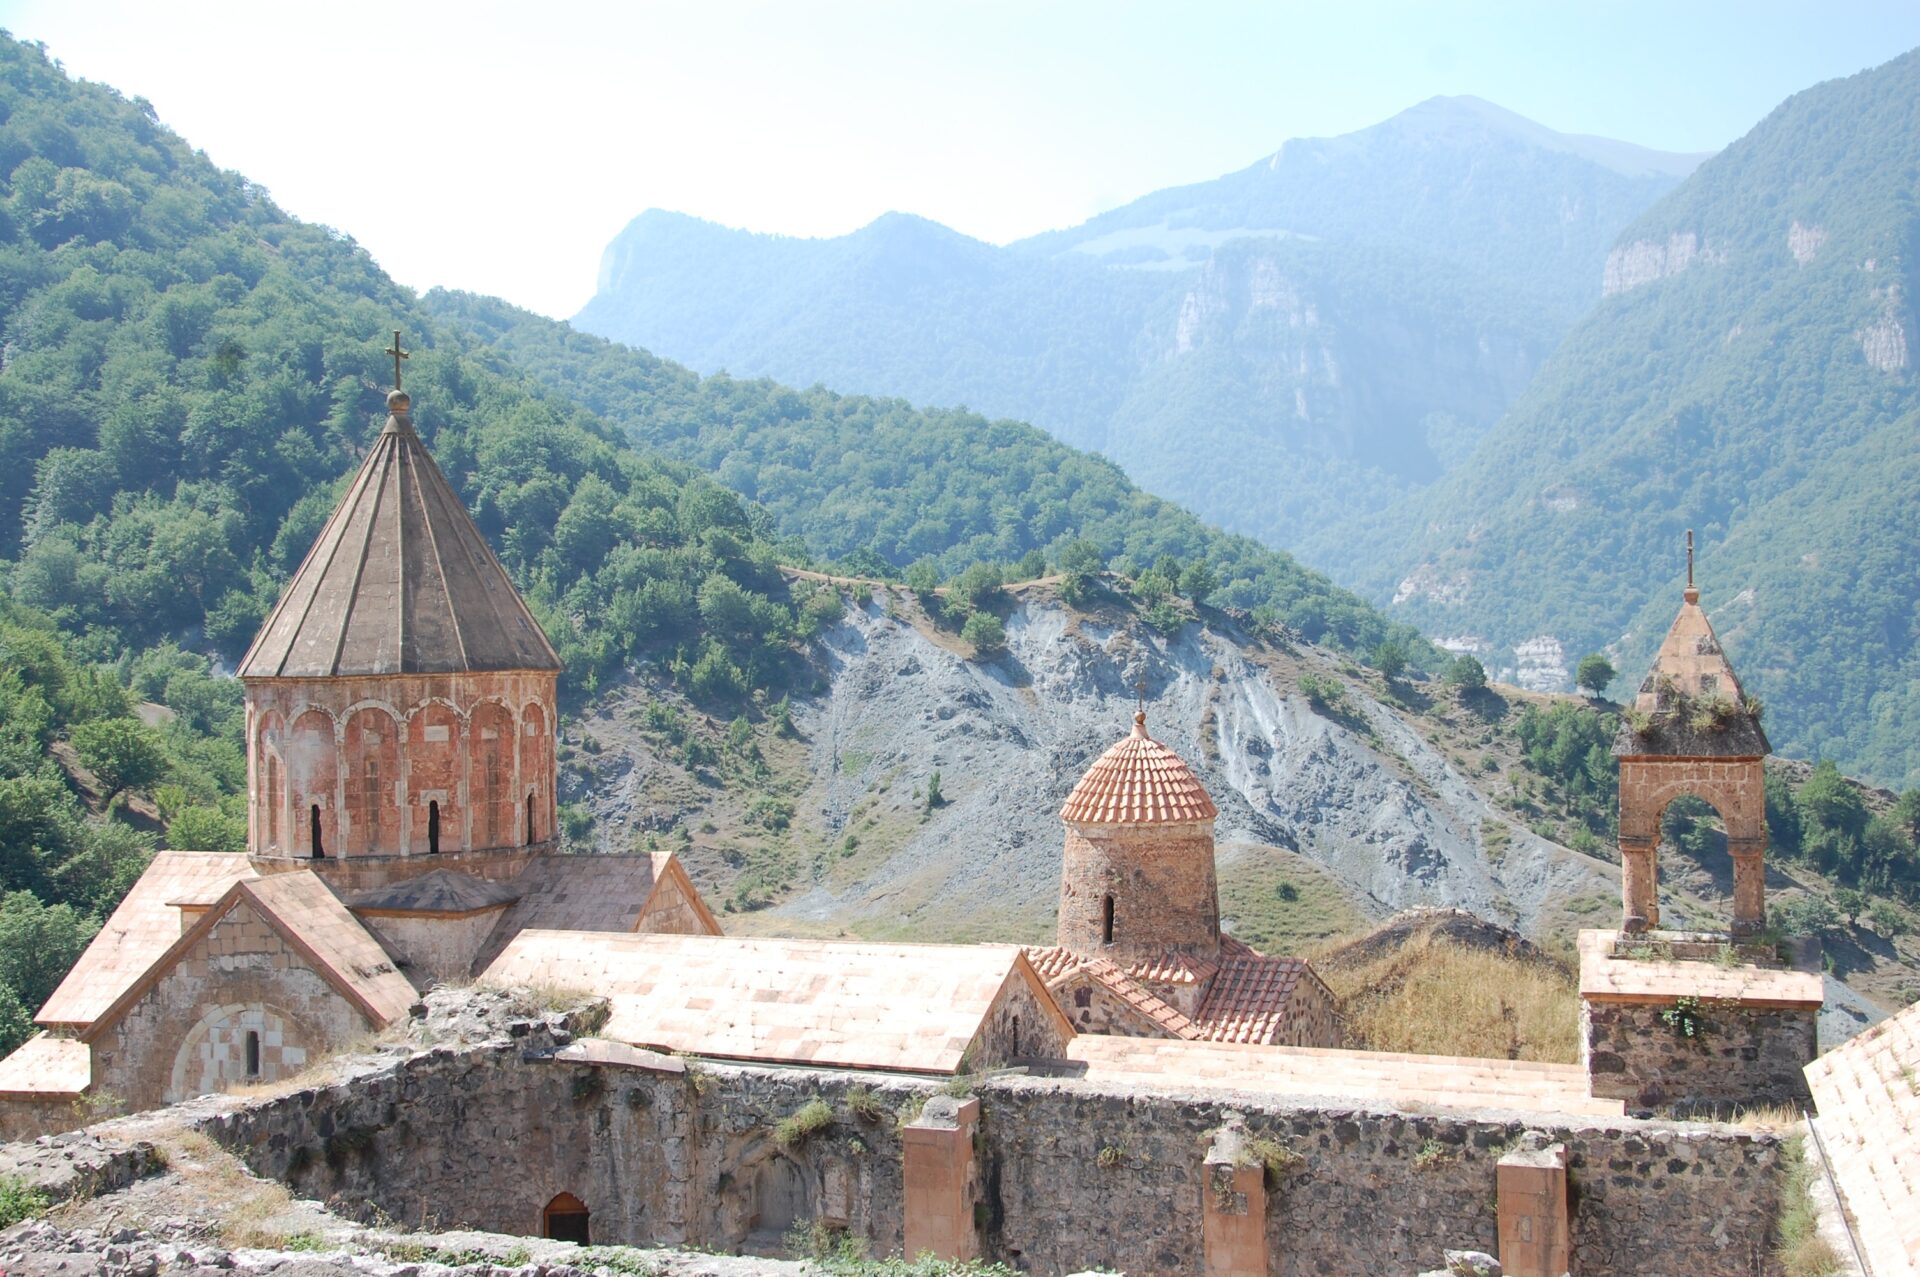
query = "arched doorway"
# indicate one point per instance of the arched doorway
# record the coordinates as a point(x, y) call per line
point(565, 1219)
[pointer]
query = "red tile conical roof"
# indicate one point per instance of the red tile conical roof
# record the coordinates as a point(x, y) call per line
point(1138, 781)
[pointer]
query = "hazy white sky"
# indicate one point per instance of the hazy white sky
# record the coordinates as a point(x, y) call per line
point(498, 147)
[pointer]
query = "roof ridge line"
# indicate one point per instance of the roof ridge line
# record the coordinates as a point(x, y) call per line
point(366, 545)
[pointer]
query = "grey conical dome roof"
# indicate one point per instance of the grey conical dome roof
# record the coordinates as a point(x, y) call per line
point(400, 581)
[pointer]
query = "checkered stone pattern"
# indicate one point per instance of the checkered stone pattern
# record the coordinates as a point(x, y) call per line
point(219, 1060)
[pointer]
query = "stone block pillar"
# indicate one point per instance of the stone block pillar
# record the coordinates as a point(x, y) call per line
point(1639, 885)
point(1233, 1207)
point(1535, 1226)
point(1749, 888)
point(942, 1181)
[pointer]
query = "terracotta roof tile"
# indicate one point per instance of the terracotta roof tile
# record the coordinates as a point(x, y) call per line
point(1248, 1000)
point(1173, 967)
point(1138, 781)
point(1056, 965)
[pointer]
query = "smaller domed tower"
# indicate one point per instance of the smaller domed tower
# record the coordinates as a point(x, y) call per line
point(1138, 878)
point(400, 698)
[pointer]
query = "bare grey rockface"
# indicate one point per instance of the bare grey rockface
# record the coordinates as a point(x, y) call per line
point(1386, 813)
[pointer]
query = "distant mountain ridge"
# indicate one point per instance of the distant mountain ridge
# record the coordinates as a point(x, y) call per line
point(1344, 318)
point(1749, 374)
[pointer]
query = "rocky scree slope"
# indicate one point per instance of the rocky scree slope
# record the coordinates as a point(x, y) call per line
point(1363, 802)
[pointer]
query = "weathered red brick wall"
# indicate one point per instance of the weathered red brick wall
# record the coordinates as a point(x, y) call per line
point(375, 756)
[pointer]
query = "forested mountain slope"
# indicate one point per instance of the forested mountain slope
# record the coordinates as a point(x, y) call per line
point(1751, 375)
point(188, 374)
point(1343, 318)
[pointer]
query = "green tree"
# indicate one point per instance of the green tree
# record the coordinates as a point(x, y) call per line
point(1467, 673)
point(38, 943)
point(1390, 658)
point(923, 577)
point(1199, 581)
point(1829, 802)
point(934, 797)
point(1884, 918)
point(1594, 673)
point(121, 752)
point(984, 633)
point(1851, 902)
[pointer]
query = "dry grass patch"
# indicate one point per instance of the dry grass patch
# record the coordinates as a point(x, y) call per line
point(251, 1208)
point(1432, 996)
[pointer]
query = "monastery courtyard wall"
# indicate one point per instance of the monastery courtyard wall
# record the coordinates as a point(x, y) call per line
point(1065, 1175)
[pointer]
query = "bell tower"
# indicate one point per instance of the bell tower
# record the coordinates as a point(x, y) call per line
point(400, 698)
point(1137, 878)
point(1691, 730)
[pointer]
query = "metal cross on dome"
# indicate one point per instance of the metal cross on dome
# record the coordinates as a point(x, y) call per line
point(1140, 692)
point(398, 354)
point(1689, 558)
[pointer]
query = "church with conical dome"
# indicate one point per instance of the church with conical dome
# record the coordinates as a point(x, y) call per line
point(400, 715)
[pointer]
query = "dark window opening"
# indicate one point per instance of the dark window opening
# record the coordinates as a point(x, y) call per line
point(433, 827)
point(253, 1053)
point(313, 832)
point(1106, 920)
point(529, 818)
point(1016, 1035)
point(565, 1219)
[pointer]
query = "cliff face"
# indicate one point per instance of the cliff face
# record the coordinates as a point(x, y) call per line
point(1365, 801)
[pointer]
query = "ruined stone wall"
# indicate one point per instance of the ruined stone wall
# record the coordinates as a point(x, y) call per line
point(187, 1035)
point(26, 1118)
point(1072, 1175)
point(1643, 1052)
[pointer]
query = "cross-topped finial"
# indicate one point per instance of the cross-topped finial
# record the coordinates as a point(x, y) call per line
point(1689, 558)
point(398, 354)
point(1140, 693)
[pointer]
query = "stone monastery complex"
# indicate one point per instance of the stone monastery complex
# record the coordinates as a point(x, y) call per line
point(1146, 1093)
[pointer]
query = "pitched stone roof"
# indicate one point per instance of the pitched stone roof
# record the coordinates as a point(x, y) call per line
point(1691, 698)
point(47, 1068)
point(587, 893)
point(400, 581)
point(1868, 1090)
point(1357, 1077)
point(145, 926)
point(909, 1007)
point(313, 922)
point(437, 891)
point(1138, 781)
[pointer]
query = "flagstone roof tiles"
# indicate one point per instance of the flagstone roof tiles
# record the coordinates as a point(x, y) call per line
point(1868, 1090)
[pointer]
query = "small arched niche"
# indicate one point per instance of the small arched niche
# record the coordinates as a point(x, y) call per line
point(565, 1219)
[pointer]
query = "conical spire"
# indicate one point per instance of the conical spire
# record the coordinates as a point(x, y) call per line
point(400, 580)
point(1691, 701)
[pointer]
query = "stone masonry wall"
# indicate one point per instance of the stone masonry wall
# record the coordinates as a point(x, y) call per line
point(1312, 1018)
point(1745, 1054)
point(186, 1036)
point(1074, 1175)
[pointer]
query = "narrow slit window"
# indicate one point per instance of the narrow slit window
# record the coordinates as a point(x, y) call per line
point(1106, 920)
point(530, 837)
point(433, 827)
point(313, 832)
point(253, 1053)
